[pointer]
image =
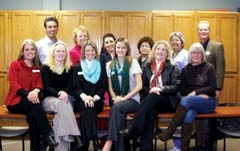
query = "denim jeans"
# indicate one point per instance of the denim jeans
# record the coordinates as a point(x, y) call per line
point(197, 104)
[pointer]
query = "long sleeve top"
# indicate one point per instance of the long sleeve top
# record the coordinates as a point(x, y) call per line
point(75, 54)
point(200, 78)
point(22, 79)
point(53, 82)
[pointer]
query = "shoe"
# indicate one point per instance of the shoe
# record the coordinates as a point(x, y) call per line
point(78, 142)
point(130, 132)
point(51, 143)
point(198, 148)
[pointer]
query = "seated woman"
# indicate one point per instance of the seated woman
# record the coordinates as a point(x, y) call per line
point(89, 82)
point(198, 85)
point(125, 82)
point(24, 94)
point(57, 87)
point(164, 78)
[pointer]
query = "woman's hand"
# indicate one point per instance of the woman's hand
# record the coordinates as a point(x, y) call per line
point(88, 101)
point(33, 96)
point(156, 90)
point(62, 95)
point(118, 99)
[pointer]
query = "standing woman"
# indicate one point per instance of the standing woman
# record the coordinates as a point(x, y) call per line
point(125, 82)
point(144, 46)
point(89, 83)
point(57, 88)
point(24, 94)
point(106, 55)
point(198, 85)
point(162, 97)
point(80, 35)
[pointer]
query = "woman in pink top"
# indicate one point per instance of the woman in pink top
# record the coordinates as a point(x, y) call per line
point(80, 35)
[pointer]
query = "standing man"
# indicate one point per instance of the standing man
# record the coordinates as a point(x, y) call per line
point(44, 44)
point(215, 55)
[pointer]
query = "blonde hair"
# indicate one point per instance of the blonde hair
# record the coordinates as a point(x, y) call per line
point(151, 56)
point(36, 59)
point(94, 46)
point(128, 54)
point(194, 48)
point(81, 28)
point(51, 62)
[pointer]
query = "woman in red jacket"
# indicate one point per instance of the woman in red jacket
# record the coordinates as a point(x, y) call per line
point(24, 94)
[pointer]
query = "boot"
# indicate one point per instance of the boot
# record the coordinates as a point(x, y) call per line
point(186, 134)
point(51, 143)
point(78, 142)
point(177, 119)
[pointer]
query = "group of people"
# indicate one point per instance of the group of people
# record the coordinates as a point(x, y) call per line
point(47, 77)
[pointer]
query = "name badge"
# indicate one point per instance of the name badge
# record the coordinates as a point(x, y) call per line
point(35, 70)
point(80, 73)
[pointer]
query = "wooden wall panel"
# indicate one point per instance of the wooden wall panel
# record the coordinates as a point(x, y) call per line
point(228, 35)
point(162, 25)
point(116, 23)
point(230, 89)
point(3, 86)
point(94, 22)
point(139, 25)
point(3, 40)
point(21, 29)
point(38, 17)
point(184, 22)
point(67, 22)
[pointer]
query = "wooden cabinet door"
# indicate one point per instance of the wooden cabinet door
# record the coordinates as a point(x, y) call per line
point(116, 23)
point(94, 22)
point(68, 21)
point(184, 23)
point(162, 25)
point(21, 29)
point(38, 28)
point(138, 25)
point(4, 20)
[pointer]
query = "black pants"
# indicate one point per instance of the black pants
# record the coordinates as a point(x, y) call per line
point(146, 115)
point(36, 118)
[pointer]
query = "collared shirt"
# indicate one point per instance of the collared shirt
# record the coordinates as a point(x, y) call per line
point(44, 46)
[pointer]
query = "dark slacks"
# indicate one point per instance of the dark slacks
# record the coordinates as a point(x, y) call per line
point(36, 118)
point(146, 114)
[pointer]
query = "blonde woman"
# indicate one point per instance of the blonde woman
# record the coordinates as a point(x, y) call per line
point(57, 86)
point(80, 35)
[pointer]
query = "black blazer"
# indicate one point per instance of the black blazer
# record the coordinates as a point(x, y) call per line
point(81, 85)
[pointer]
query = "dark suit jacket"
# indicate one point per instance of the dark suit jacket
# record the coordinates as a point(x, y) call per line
point(215, 55)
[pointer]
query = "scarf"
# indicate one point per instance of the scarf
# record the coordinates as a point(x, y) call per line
point(122, 88)
point(92, 73)
point(156, 73)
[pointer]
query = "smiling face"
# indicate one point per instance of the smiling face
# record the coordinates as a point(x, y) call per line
point(121, 50)
point(196, 57)
point(203, 31)
point(109, 44)
point(29, 52)
point(176, 43)
point(51, 29)
point(161, 52)
point(90, 52)
point(60, 53)
point(81, 37)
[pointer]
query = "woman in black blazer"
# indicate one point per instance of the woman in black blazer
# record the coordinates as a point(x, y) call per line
point(90, 83)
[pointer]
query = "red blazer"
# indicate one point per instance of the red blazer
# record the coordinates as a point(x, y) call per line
point(21, 76)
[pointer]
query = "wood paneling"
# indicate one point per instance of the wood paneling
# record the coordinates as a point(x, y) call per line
point(3, 86)
point(15, 26)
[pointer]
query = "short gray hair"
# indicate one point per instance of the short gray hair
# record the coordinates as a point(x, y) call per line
point(196, 47)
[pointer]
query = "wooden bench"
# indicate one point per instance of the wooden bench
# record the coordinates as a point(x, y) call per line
point(9, 119)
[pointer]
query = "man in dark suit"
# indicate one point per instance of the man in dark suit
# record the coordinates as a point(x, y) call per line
point(215, 55)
